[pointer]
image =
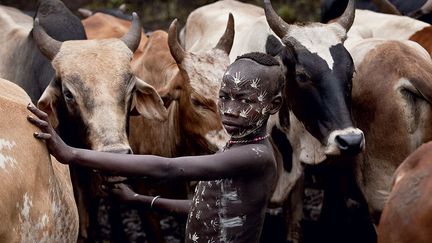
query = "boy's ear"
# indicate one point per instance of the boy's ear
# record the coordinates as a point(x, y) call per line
point(276, 104)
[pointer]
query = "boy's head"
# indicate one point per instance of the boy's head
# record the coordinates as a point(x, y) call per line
point(250, 91)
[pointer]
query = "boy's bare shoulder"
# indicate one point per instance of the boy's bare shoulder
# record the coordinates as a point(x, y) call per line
point(261, 152)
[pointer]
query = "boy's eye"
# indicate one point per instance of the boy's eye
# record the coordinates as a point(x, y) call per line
point(246, 101)
point(222, 97)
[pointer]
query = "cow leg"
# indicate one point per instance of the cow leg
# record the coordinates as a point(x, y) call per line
point(81, 201)
point(117, 229)
point(293, 209)
point(151, 225)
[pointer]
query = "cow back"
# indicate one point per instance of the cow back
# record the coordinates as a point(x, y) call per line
point(37, 202)
point(407, 214)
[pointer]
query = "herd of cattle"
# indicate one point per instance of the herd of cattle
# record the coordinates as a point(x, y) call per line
point(358, 96)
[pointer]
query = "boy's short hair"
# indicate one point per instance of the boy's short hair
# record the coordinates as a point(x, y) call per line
point(269, 61)
point(261, 58)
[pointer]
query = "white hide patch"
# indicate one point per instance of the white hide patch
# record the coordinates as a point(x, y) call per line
point(332, 148)
point(219, 138)
point(307, 36)
point(5, 159)
point(305, 146)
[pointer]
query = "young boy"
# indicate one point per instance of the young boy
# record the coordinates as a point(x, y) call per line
point(230, 199)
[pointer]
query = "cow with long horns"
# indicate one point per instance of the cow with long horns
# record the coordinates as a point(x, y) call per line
point(89, 100)
point(316, 115)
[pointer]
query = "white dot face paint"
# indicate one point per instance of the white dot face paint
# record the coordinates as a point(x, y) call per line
point(244, 103)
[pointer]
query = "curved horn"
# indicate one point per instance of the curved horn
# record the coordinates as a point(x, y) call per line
point(425, 9)
point(347, 18)
point(226, 41)
point(47, 45)
point(386, 6)
point(133, 37)
point(275, 22)
point(176, 49)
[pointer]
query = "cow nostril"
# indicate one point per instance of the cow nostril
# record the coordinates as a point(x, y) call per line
point(350, 144)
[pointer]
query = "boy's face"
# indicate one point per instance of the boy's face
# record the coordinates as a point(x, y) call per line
point(245, 97)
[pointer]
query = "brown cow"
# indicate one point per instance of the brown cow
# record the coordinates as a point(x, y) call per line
point(392, 97)
point(37, 202)
point(188, 83)
point(407, 215)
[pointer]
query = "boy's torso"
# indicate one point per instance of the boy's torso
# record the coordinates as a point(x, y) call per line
point(228, 210)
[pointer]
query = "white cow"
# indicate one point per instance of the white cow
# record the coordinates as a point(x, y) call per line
point(369, 24)
point(205, 25)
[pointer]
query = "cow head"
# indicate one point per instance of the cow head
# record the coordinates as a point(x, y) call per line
point(319, 74)
point(196, 86)
point(89, 99)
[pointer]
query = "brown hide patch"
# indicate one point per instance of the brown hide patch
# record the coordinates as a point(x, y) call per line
point(155, 66)
point(395, 120)
point(407, 216)
point(424, 38)
point(377, 107)
point(103, 26)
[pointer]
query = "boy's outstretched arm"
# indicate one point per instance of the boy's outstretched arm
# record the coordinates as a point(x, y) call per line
point(244, 160)
point(176, 206)
point(122, 164)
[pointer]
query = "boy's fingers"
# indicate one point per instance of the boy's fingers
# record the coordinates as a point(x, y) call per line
point(42, 115)
point(38, 122)
point(41, 135)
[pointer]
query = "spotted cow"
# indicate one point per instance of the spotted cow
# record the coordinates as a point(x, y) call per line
point(316, 114)
point(37, 197)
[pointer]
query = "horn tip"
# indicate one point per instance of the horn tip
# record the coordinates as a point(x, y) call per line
point(230, 17)
point(36, 22)
point(173, 24)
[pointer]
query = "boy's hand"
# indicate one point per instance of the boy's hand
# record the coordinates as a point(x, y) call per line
point(124, 193)
point(56, 146)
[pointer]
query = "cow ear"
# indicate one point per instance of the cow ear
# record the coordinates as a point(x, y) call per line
point(147, 102)
point(48, 102)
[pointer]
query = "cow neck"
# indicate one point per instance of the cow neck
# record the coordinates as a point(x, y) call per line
point(245, 141)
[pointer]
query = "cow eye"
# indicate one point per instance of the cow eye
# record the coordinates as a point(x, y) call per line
point(68, 96)
point(302, 77)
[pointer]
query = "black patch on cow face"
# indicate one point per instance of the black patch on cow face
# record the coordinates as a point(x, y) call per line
point(61, 24)
point(318, 96)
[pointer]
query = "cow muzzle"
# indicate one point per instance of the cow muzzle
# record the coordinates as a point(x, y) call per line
point(348, 141)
